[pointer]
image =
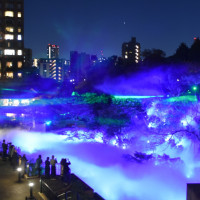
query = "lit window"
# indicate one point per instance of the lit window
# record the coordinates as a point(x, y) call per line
point(16, 102)
point(126, 57)
point(19, 14)
point(10, 29)
point(9, 14)
point(19, 37)
point(19, 75)
point(19, 52)
point(136, 61)
point(19, 64)
point(126, 52)
point(0, 75)
point(9, 74)
point(10, 52)
point(9, 37)
point(9, 64)
point(19, 30)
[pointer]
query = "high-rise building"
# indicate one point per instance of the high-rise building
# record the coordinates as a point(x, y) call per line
point(52, 51)
point(131, 51)
point(80, 64)
point(11, 39)
point(52, 68)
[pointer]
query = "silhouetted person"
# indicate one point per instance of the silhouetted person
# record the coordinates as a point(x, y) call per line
point(53, 162)
point(9, 151)
point(47, 168)
point(23, 164)
point(66, 171)
point(15, 160)
point(4, 147)
point(12, 150)
point(62, 163)
point(38, 165)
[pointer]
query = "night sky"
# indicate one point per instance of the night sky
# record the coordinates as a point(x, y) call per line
point(94, 25)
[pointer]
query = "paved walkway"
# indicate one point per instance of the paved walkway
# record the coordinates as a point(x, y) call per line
point(11, 189)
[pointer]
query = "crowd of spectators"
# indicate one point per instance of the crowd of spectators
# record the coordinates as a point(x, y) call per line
point(13, 154)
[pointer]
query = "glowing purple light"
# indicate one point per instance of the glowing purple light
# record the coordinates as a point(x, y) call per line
point(98, 163)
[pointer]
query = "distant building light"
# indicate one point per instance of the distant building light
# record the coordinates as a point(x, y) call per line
point(25, 101)
point(19, 75)
point(126, 57)
point(9, 37)
point(9, 52)
point(19, 37)
point(9, 64)
point(9, 29)
point(9, 74)
point(19, 52)
point(19, 64)
point(9, 14)
point(10, 114)
point(19, 14)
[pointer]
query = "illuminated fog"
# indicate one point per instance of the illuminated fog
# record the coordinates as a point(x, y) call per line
point(106, 170)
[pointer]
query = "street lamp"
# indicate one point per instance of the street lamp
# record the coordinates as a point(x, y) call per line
point(31, 189)
point(19, 169)
point(40, 185)
point(27, 169)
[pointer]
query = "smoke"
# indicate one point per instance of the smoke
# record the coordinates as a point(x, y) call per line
point(150, 82)
point(104, 168)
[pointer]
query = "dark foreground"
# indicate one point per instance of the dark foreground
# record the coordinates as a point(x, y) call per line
point(11, 189)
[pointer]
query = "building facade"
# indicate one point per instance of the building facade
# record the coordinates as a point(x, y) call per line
point(52, 51)
point(53, 68)
point(11, 39)
point(80, 64)
point(131, 51)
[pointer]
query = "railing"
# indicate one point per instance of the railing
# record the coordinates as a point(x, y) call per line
point(55, 190)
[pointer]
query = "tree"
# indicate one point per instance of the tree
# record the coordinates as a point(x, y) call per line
point(153, 57)
point(194, 54)
point(182, 53)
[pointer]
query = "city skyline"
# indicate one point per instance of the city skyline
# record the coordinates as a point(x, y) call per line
point(92, 26)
